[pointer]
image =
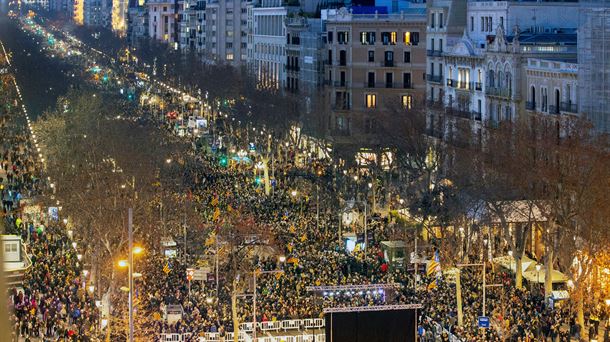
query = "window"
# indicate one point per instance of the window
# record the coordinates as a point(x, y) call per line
point(342, 37)
point(330, 57)
point(440, 45)
point(330, 36)
point(389, 38)
point(414, 38)
point(367, 38)
point(502, 21)
point(389, 80)
point(440, 20)
point(432, 44)
point(371, 80)
point(229, 45)
point(407, 101)
point(471, 24)
point(229, 56)
point(371, 101)
point(371, 55)
point(432, 68)
point(407, 57)
point(432, 19)
point(406, 80)
point(406, 37)
point(491, 24)
point(483, 24)
point(343, 57)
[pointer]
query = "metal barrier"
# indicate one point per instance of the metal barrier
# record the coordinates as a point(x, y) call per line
point(215, 337)
point(291, 324)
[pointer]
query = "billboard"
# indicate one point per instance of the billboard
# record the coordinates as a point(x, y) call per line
point(372, 326)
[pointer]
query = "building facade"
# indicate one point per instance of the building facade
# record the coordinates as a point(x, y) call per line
point(552, 86)
point(192, 26)
point(269, 43)
point(594, 62)
point(162, 20)
point(226, 31)
point(375, 64)
point(480, 76)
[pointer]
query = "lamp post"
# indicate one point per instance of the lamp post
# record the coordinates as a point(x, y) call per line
point(130, 268)
point(538, 267)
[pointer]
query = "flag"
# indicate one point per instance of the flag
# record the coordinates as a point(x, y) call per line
point(167, 268)
point(432, 285)
point(216, 214)
point(432, 266)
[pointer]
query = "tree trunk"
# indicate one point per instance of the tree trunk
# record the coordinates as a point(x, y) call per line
point(458, 295)
point(234, 312)
point(518, 271)
point(580, 309)
point(266, 174)
point(548, 278)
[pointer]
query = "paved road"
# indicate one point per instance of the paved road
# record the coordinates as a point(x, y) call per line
point(41, 79)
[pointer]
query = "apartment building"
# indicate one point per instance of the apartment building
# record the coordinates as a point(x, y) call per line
point(97, 12)
point(552, 86)
point(375, 64)
point(137, 25)
point(226, 31)
point(480, 76)
point(304, 63)
point(163, 23)
point(192, 26)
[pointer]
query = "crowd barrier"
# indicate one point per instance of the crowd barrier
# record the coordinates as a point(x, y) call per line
point(228, 337)
point(270, 326)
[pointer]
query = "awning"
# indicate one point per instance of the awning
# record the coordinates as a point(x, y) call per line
point(535, 276)
point(508, 261)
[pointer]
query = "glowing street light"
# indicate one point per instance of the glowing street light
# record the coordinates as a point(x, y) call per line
point(123, 263)
point(138, 250)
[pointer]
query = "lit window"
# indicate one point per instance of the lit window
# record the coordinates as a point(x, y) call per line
point(393, 38)
point(229, 56)
point(371, 101)
point(407, 38)
point(407, 101)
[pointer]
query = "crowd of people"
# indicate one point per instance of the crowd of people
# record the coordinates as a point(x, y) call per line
point(51, 302)
point(54, 302)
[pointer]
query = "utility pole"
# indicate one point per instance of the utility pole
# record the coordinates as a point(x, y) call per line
point(130, 270)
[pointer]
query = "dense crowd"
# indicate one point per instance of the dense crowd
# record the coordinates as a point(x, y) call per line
point(54, 302)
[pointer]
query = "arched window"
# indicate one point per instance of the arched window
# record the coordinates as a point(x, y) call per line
point(557, 99)
point(500, 79)
point(533, 96)
point(490, 79)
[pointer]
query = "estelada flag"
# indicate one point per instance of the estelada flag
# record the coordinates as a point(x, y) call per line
point(167, 268)
point(216, 214)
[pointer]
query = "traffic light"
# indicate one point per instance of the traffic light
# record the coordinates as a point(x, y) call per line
point(223, 161)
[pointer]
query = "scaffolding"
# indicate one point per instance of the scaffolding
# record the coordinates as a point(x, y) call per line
point(594, 62)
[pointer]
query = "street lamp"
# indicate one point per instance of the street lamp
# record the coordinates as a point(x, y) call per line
point(538, 267)
point(282, 258)
point(130, 267)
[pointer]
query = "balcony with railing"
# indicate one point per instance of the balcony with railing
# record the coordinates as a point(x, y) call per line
point(530, 105)
point(478, 86)
point(461, 85)
point(434, 78)
point(340, 84)
point(498, 92)
point(387, 63)
point(568, 107)
point(460, 113)
point(554, 110)
point(434, 53)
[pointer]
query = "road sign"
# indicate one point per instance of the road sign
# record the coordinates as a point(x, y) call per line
point(483, 322)
point(190, 272)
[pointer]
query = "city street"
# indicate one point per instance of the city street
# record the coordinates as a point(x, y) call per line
point(166, 214)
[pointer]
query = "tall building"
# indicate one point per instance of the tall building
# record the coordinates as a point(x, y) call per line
point(163, 23)
point(304, 63)
point(96, 12)
point(226, 31)
point(269, 43)
point(192, 26)
point(137, 25)
point(376, 64)
point(594, 62)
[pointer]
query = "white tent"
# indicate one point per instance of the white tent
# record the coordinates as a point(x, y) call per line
point(508, 261)
point(539, 276)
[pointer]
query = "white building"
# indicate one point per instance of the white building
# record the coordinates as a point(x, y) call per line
point(162, 24)
point(481, 76)
point(269, 43)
